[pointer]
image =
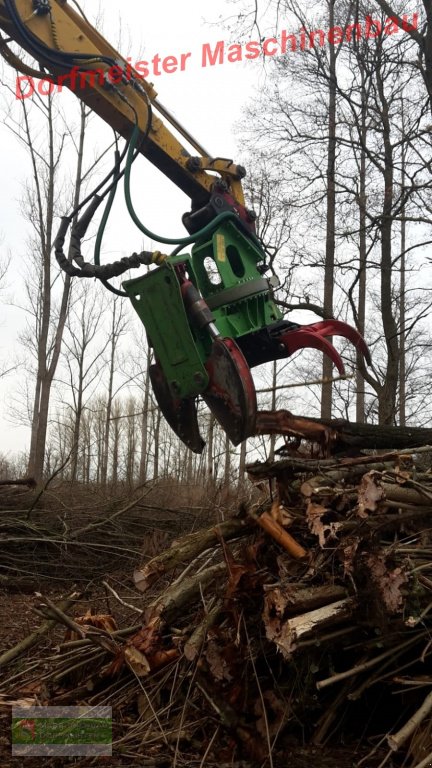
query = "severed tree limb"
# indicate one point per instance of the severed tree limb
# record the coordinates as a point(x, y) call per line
point(369, 664)
point(292, 631)
point(338, 434)
point(338, 469)
point(292, 599)
point(97, 636)
point(194, 644)
point(426, 762)
point(186, 549)
point(396, 740)
point(171, 602)
point(30, 641)
point(279, 534)
point(117, 596)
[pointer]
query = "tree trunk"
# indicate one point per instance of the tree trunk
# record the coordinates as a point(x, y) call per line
point(144, 427)
point(326, 392)
point(387, 395)
point(361, 306)
point(156, 444)
point(402, 294)
point(210, 446)
point(47, 359)
point(273, 408)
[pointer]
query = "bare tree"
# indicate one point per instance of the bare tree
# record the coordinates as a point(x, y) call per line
point(117, 330)
point(422, 38)
point(84, 357)
point(45, 134)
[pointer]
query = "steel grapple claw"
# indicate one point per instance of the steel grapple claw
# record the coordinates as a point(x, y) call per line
point(314, 337)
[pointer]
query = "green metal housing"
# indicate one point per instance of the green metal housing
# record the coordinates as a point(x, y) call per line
point(224, 269)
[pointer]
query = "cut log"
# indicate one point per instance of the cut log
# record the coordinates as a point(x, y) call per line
point(340, 434)
point(188, 548)
point(287, 634)
point(170, 603)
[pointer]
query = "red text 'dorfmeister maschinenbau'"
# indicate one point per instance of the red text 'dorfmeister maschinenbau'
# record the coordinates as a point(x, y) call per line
point(215, 54)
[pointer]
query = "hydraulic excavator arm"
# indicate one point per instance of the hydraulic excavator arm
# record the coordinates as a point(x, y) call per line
point(75, 53)
point(210, 315)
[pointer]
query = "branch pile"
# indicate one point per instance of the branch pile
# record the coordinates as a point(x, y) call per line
point(77, 533)
point(304, 620)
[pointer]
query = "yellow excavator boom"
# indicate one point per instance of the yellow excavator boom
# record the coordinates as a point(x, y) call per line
point(52, 32)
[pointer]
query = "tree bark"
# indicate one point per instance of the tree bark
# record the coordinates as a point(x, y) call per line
point(338, 434)
point(47, 359)
point(327, 370)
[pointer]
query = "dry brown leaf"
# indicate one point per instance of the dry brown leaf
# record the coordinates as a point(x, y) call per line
point(273, 618)
point(349, 551)
point(387, 581)
point(137, 662)
point(369, 494)
point(102, 621)
point(216, 661)
point(324, 531)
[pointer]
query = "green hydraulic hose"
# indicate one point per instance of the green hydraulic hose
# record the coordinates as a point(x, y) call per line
point(106, 214)
point(209, 228)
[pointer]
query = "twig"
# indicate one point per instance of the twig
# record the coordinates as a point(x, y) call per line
point(386, 759)
point(126, 605)
point(34, 638)
point(207, 752)
point(263, 704)
point(396, 740)
point(45, 486)
point(82, 643)
point(367, 664)
point(101, 523)
point(426, 762)
point(314, 382)
point(97, 636)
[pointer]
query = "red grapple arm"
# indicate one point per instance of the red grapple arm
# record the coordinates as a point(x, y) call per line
point(314, 337)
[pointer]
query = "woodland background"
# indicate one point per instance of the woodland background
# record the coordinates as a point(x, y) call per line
point(338, 151)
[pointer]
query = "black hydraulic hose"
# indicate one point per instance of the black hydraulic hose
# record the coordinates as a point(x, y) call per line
point(84, 269)
point(43, 51)
point(120, 174)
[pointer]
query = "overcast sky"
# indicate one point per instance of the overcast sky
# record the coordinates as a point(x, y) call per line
point(208, 101)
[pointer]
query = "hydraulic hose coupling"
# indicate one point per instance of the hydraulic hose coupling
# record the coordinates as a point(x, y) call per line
point(41, 7)
point(158, 258)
